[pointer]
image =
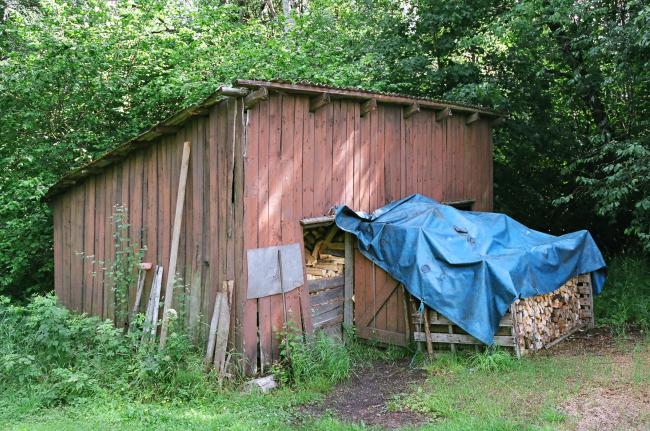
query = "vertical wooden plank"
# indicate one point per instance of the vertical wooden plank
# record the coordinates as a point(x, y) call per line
point(308, 162)
point(135, 210)
point(364, 163)
point(67, 249)
point(360, 295)
point(195, 228)
point(403, 154)
point(338, 152)
point(460, 121)
point(328, 157)
point(57, 221)
point(176, 233)
point(100, 238)
point(213, 207)
point(263, 226)
point(380, 167)
point(250, 229)
point(349, 281)
point(373, 165)
point(77, 232)
point(89, 244)
point(490, 160)
point(356, 155)
point(390, 154)
point(303, 303)
point(438, 161)
point(230, 166)
point(239, 301)
point(350, 120)
point(275, 207)
point(164, 204)
point(109, 248)
point(320, 163)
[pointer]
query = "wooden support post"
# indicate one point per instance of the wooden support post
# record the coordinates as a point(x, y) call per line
point(232, 92)
point(223, 329)
point(138, 295)
point(411, 110)
point(407, 320)
point(442, 115)
point(472, 118)
point(255, 97)
point(212, 335)
point(368, 106)
point(349, 281)
point(176, 233)
point(317, 102)
point(427, 332)
point(151, 318)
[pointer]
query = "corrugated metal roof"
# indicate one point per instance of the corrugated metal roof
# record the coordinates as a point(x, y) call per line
point(371, 93)
point(303, 87)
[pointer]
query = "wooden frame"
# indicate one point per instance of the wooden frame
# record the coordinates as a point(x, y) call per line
point(446, 334)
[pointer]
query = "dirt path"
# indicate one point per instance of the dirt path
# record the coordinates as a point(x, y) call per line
point(365, 397)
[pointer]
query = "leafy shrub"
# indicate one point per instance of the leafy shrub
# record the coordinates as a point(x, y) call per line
point(625, 300)
point(64, 357)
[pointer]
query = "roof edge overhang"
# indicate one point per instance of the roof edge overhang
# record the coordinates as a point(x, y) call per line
point(241, 88)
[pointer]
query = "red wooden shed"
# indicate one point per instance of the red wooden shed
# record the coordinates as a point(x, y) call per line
point(268, 161)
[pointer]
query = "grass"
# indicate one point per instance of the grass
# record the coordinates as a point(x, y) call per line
point(515, 395)
point(66, 372)
point(625, 301)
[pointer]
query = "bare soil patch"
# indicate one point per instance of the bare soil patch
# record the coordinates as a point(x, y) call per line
point(610, 409)
point(365, 397)
point(617, 404)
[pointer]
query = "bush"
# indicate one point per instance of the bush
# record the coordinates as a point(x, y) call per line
point(625, 300)
point(64, 357)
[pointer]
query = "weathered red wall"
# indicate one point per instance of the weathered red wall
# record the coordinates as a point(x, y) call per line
point(289, 164)
point(300, 164)
point(147, 183)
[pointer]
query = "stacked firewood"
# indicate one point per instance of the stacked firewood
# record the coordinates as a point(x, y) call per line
point(327, 266)
point(542, 319)
point(324, 251)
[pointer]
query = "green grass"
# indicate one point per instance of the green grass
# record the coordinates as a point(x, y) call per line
point(60, 371)
point(524, 395)
point(625, 300)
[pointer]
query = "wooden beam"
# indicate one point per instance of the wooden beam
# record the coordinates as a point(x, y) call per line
point(176, 234)
point(317, 221)
point(441, 115)
point(411, 110)
point(473, 118)
point(436, 337)
point(315, 103)
point(349, 281)
point(255, 97)
point(232, 91)
point(368, 106)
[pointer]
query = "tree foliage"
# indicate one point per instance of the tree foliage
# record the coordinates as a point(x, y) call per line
point(77, 78)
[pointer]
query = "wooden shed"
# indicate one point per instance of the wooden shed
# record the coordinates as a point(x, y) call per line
point(269, 160)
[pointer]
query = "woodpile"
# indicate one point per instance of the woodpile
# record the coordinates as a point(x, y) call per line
point(543, 320)
point(532, 324)
point(324, 252)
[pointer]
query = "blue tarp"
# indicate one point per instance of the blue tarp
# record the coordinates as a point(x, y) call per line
point(469, 266)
